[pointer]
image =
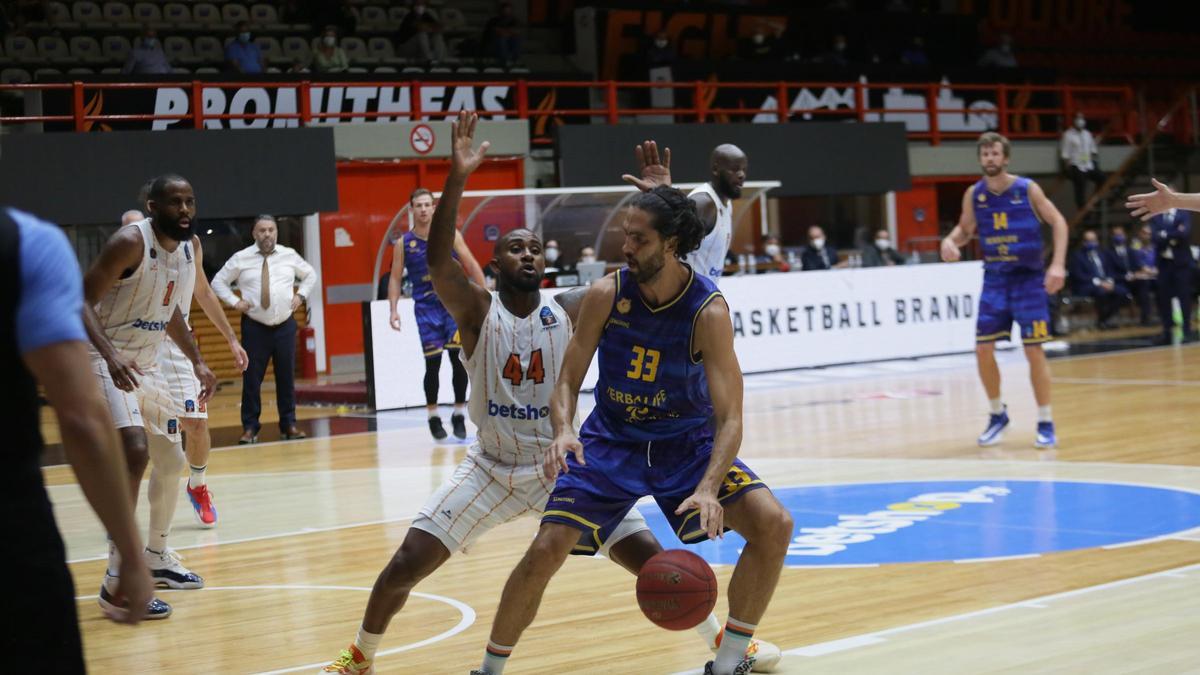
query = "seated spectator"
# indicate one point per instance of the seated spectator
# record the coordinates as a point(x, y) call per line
point(1143, 266)
point(1092, 275)
point(501, 36)
point(760, 46)
point(147, 56)
point(914, 54)
point(1000, 56)
point(880, 252)
point(819, 254)
point(421, 33)
point(587, 254)
point(550, 253)
point(242, 55)
point(329, 57)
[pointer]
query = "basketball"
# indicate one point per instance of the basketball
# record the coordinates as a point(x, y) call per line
point(676, 589)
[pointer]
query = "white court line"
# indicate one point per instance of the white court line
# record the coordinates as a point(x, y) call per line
point(965, 561)
point(867, 639)
point(1108, 381)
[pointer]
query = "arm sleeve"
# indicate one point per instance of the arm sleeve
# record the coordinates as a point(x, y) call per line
point(50, 309)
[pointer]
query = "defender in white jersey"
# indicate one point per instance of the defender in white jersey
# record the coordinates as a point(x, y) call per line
point(181, 381)
point(132, 305)
point(513, 341)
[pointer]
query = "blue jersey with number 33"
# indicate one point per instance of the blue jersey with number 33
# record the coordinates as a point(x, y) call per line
point(652, 384)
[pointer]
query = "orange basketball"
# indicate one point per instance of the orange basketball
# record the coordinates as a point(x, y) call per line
point(676, 589)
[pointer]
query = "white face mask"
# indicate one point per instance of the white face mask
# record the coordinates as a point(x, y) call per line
point(660, 43)
point(772, 250)
point(244, 37)
point(883, 244)
point(551, 254)
point(584, 259)
point(149, 42)
point(329, 40)
point(818, 242)
point(759, 38)
point(1080, 123)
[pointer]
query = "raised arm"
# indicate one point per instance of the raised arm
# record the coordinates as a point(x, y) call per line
point(713, 339)
point(965, 229)
point(208, 302)
point(467, 302)
point(593, 315)
point(1056, 274)
point(122, 253)
point(655, 169)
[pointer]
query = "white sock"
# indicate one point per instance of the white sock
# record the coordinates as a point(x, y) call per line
point(1044, 414)
point(432, 412)
point(460, 408)
point(997, 405)
point(494, 658)
point(733, 646)
point(367, 643)
point(197, 478)
point(709, 630)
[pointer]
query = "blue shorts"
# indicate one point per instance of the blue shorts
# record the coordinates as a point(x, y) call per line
point(436, 327)
point(594, 498)
point(1013, 296)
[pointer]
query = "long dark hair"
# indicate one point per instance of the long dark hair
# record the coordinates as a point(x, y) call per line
point(674, 215)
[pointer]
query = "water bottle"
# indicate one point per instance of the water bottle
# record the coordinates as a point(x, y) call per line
point(741, 263)
point(914, 259)
point(752, 263)
point(791, 259)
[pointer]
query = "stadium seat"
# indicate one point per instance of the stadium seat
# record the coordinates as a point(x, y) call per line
point(396, 15)
point(386, 70)
point(111, 70)
point(85, 49)
point(373, 18)
point(356, 51)
point(441, 69)
point(81, 71)
point(88, 14)
point(412, 70)
point(46, 72)
point(120, 16)
point(179, 50)
point(54, 49)
point(115, 48)
point(15, 76)
point(207, 69)
point(148, 13)
point(357, 69)
point(21, 48)
point(263, 15)
point(382, 49)
point(271, 49)
point(180, 70)
point(466, 70)
point(179, 15)
point(207, 16)
point(453, 20)
point(208, 48)
point(295, 48)
point(59, 16)
point(232, 13)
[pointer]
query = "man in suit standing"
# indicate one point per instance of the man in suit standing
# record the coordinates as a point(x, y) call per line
point(819, 254)
point(1093, 274)
point(266, 274)
point(1172, 233)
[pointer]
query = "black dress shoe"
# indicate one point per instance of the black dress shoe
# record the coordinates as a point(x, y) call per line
point(248, 437)
point(293, 434)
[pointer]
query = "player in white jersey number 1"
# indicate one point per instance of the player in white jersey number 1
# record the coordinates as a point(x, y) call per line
point(182, 384)
point(714, 200)
point(513, 342)
point(131, 307)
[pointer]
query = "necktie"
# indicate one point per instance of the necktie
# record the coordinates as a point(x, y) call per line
point(265, 294)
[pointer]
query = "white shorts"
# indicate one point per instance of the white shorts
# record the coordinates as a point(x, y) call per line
point(149, 405)
point(181, 380)
point(484, 493)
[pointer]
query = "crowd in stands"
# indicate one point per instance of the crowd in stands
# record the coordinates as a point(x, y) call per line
point(45, 37)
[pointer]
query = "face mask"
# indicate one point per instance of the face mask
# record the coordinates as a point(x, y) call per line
point(1119, 240)
point(244, 37)
point(660, 43)
point(329, 41)
point(759, 38)
point(883, 244)
point(587, 259)
point(1080, 123)
point(551, 254)
point(819, 242)
point(772, 250)
point(149, 43)
point(1091, 245)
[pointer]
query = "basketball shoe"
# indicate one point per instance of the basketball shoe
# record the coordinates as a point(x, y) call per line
point(350, 662)
point(436, 429)
point(766, 656)
point(1045, 436)
point(743, 668)
point(995, 429)
point(169, 572)
point(202, 506)
point(459, 422)
point(155, 609)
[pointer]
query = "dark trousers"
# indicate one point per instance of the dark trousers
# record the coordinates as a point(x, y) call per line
point(1174, 281)
point(265, 343)
point(1108, 303)
point(1143, 290)
point(1080, 178)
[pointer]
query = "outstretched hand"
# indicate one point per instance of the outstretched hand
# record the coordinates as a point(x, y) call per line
point(463, 158)
point(1150, 204)
point(654, 172)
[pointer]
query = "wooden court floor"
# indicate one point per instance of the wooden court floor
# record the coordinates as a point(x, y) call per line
point(306, 526)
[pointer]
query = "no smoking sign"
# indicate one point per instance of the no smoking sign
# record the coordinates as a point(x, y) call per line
point(422, 139)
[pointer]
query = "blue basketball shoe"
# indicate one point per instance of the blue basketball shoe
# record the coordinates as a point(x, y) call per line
point(995, 429)
point(1045, 436)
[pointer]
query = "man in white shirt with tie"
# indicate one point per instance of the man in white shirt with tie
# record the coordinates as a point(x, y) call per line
point(1079, 152)
point(268, 327)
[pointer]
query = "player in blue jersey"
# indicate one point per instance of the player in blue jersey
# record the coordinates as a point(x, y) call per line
point(1009, 211)
point(667, 366)
point(434, 323)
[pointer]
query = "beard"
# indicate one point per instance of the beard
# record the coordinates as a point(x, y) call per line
point(648, 269)
point(172, 229)
point(521, 283)
point(992, 170)
point(727, 187)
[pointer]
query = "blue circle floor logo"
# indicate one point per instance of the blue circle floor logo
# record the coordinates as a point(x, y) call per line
point(931, 521)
